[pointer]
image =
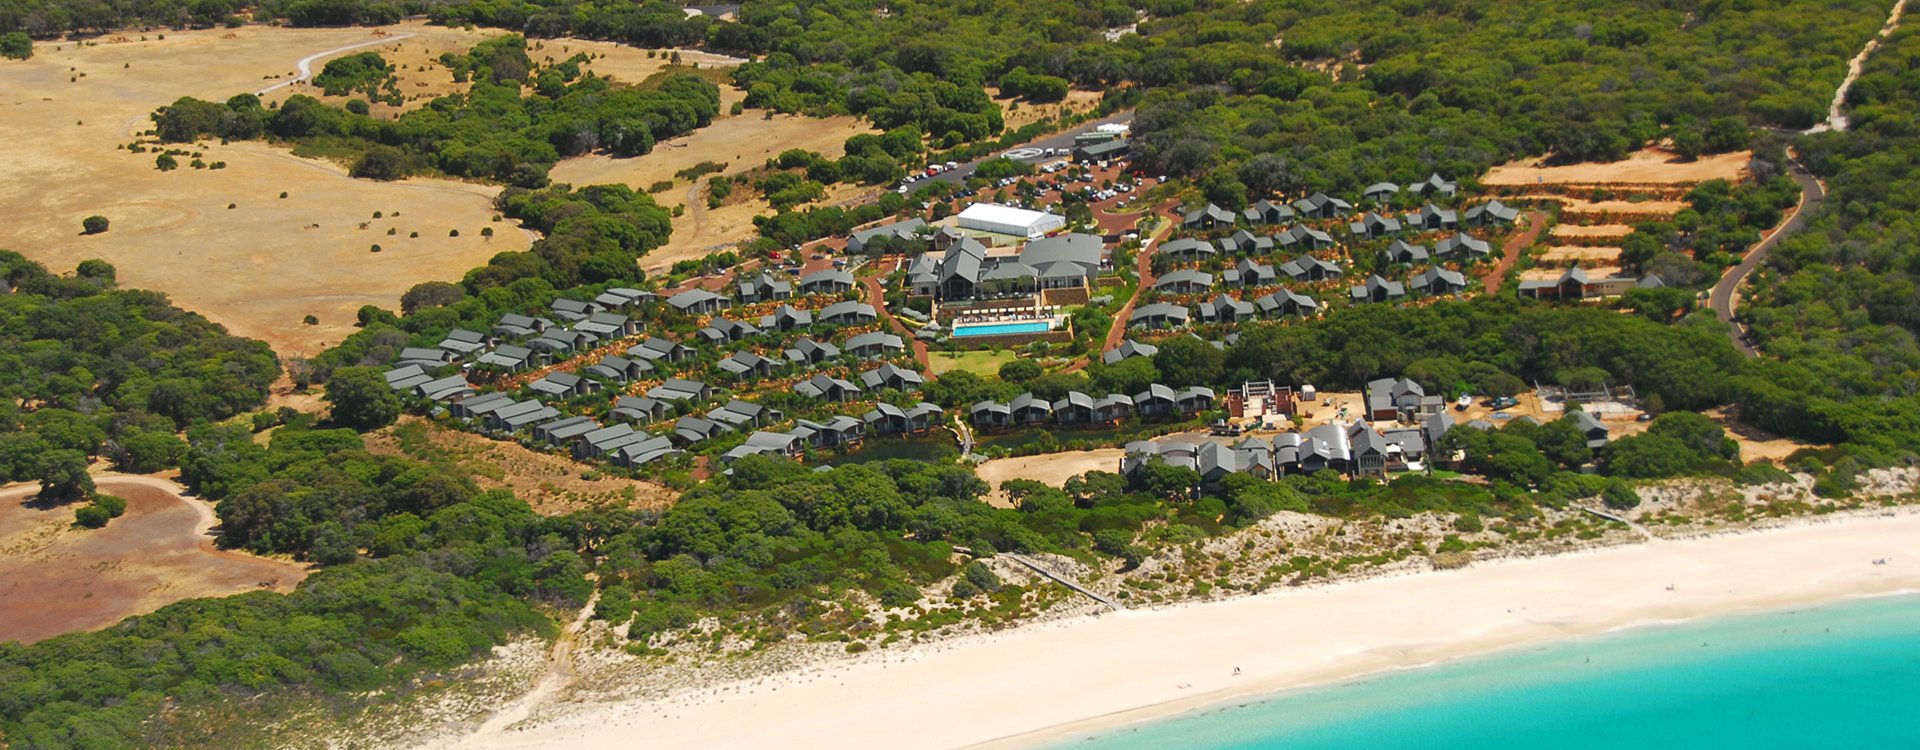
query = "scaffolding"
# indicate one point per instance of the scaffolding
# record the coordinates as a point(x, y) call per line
point(1258, 399)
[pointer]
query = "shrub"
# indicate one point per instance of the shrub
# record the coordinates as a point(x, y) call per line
point(91, 516)
point(1620, 495)
point(115, 505)
point(94, 224)
point(166, 163)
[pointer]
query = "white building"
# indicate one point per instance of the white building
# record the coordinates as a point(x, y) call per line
point(1113, 128)
point(1019, 222)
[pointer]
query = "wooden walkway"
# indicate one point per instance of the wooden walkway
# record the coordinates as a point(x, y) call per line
point(1064, 580)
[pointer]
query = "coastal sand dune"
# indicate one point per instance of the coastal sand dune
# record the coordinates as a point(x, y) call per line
point(1047, 681)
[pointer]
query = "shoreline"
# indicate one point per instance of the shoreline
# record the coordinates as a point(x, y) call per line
point(1119, 721)
point(1052, 681)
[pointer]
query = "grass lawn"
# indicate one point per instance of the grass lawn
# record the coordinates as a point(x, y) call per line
point(986, 364)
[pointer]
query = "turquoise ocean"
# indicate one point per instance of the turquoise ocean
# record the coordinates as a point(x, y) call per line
point(1845, 675)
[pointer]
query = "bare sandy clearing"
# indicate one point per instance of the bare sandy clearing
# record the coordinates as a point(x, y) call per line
point(259, 267)
point(1578, 206)
point(552, 484)
point(1597, 230)
point(1647, 166)
point(1018, 114)
point(55, 578)
point(741, 142)
point(421, 77)
point(1573, 255)
point(1052, 469)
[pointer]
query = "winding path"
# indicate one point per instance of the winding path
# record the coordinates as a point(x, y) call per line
point(559, 674)
point(1510, 252)
point(1836, 112)
point(306, 63)
point(877, 297)
point(1724, 299)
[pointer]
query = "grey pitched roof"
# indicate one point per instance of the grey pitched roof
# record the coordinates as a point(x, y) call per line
point(1129, 348)
point(1184, 277)
point(694, 297)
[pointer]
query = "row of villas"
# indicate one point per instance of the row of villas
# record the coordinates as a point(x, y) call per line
point(1355, 449)
point(522, 342)
point(1412, 425)
point(1079, 409)
point(1315, 206)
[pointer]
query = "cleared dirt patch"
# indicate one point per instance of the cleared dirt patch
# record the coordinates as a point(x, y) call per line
point(1052, 469)
point(551, 483)
point(1018, 114)
point(1644, 167)
point(740, 142)
point(1598, 235)
point(261, 266)
point(1574, 255)
point(1577, 206)
point(56, 578)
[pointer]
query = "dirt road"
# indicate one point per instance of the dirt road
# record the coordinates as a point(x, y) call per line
point(1511, 250)
point(306, 63)
point(1723, 299)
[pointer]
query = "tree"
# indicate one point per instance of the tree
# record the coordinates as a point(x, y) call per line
point(431, 294)
point(1702, 436)
point(144, 452)
point(94, 269)
point(1185, 360)
point(63, 475)
point(95, 224)
point(1019, 371)
point(91, 516)
point(166, 163)
point(16, 45)
point(361, 398)
point(1620, 495)
point(1648, 456)
point(381, 163)
point(982, 577)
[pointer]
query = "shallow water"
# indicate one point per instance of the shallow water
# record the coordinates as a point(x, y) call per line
point(1844, 675)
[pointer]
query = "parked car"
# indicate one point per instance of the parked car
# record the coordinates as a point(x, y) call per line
point(1504, 402)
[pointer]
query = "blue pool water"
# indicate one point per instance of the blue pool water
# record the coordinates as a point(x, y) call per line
point(1840, 676)
point(996, 329)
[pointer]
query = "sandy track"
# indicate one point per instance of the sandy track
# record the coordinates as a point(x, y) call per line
point(1837, 112)
point(306, 63)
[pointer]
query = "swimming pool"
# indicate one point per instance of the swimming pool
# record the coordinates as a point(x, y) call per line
point(1001, 329)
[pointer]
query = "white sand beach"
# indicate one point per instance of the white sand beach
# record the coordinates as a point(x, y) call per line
point(1043, 682)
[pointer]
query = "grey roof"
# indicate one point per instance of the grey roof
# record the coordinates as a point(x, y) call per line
point(1187, 245)
point(694, 297)
point(827, 276)
point(1081, 249)
point(677, 389)
point(1184, 277)
point(1129, 348)
point(1174, 314)
point(1377, 285)
point(1399, 251)
point(1432, 279)
point(880, 376)
point(910, 226)
point(1458, 243)
point(875, 338)
point(847, 309)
